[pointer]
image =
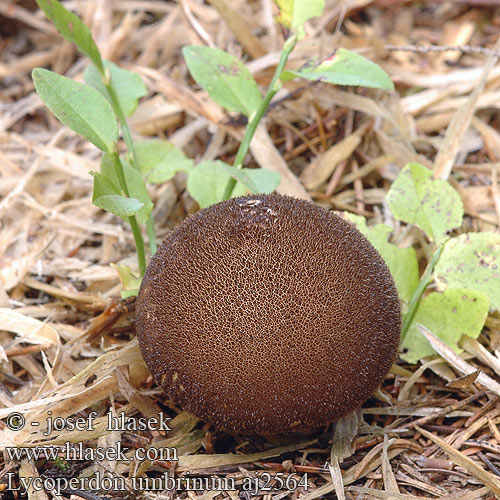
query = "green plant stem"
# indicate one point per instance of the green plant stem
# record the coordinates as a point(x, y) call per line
point(136, 231)
point(417, 294)
point(274, 86)
point(127, 136)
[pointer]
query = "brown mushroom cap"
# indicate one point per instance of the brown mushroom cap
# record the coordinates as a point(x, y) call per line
point(267, 314)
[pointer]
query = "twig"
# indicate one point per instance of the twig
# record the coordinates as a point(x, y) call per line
point(488, 462)
point(466, 49)
point(21, 351)
point(442, 411)
point(82, 493)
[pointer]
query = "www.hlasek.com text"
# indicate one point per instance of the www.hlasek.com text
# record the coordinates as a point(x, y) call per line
point(72, 452)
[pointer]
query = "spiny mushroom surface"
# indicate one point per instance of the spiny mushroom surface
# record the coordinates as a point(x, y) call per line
point(267, 315)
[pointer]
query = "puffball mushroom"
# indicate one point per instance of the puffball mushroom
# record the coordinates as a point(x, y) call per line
point(267, 315)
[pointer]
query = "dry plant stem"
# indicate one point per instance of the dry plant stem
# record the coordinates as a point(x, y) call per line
point(139, 242)
point(127, 136)
point(466, 49)
point(274, 86)
point(82, 493)
point(417, 294)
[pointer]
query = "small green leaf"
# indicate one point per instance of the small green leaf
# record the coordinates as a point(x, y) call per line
point(130, 281)
point(402, 262)
point(80, 107)
point(118, 205)
point(431, 204)
point(226, 79)
point(449, 315)
point(471, 261)
point(345, 67)
point(257, 180)
point(125, 294)
point(73, 29)
point(240, 175)
point(137, 189)
point(294, 13)
point(106, 182)
point(265, 181)
point(128, 86)
point(160, 160)
point(207, 182)
point(108, 196)
point(107, 169)
point(103, 186)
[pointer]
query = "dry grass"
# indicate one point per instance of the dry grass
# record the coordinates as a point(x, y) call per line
point(68, 345)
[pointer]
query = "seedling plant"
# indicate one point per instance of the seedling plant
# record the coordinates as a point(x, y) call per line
point(97, 109)
point(462, 270)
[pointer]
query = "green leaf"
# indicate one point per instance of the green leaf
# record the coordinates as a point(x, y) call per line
point(471, 261)
point(207, 182)
point(449, 315)
point(73, 29)
point(265, 181)
point(106, 182)
point(118, 205)
point(294, 13)
point(239, 174)
point(160, 160)
point(137, 189)
point(108, 196)
point(130, 281)
point(345, 67)
point(128, 86)
point(431, 204)
point(103, 186)
point(402, 262)
point(108, 170)
point(226, 79)
point(80, 107)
